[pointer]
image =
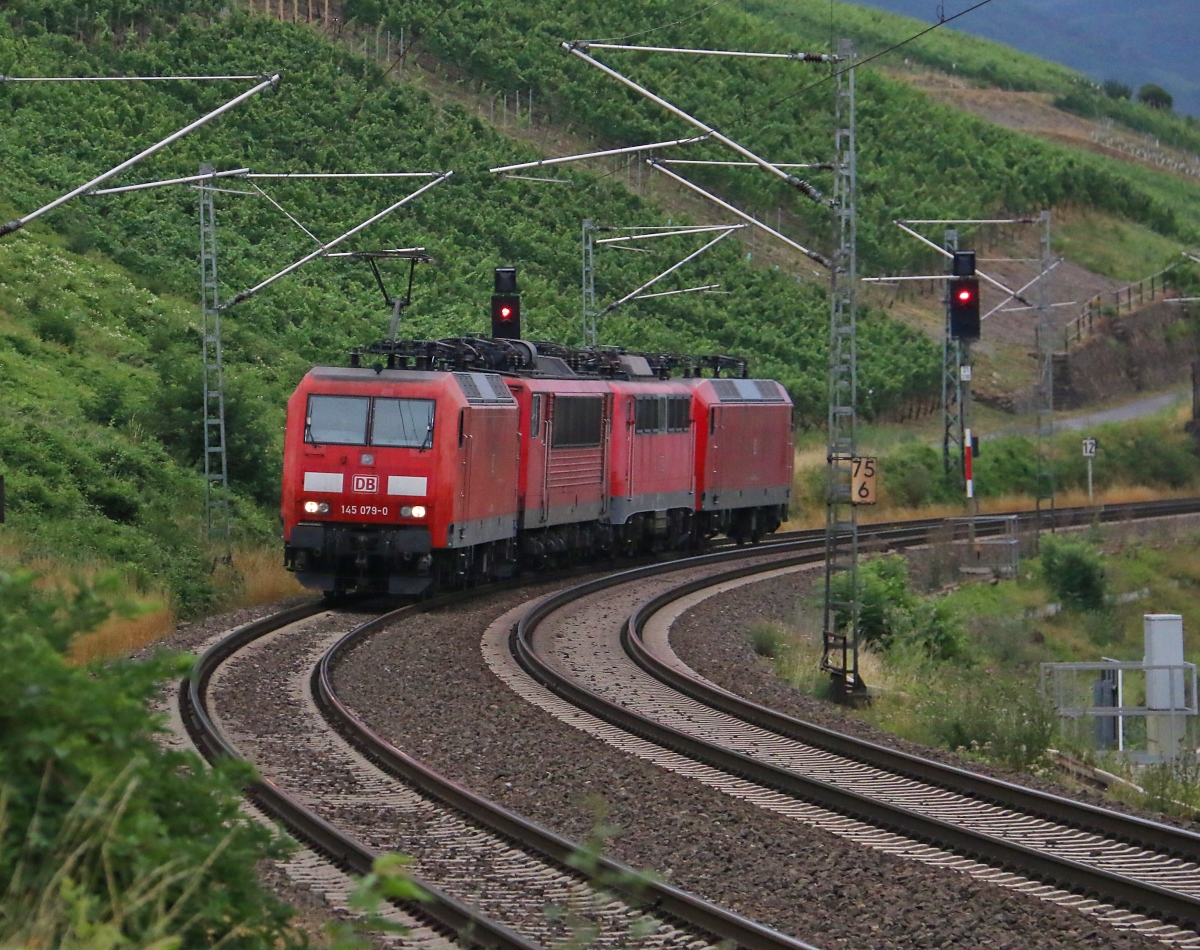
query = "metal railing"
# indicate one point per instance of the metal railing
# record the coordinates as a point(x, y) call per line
point(1115, 302)
point(1098, 697)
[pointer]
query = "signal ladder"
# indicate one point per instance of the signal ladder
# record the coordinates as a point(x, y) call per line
point(216, 478)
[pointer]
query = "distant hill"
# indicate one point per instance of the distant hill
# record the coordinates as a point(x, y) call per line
point(1105, 39)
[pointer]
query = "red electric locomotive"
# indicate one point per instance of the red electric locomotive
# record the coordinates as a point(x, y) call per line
point(384, 469)
point(449, 462)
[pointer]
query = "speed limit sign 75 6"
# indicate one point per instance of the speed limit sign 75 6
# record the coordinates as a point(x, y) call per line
point(862, 481)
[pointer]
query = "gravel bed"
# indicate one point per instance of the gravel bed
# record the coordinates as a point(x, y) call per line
point(191, 637)
point(712, 638)
point(313, 911)
point(426, 688)
point(262, 703)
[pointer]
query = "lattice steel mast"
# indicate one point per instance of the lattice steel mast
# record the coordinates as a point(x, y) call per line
point(216, 471)
point(1044, 391)
point(841, 621)
point(589, 283)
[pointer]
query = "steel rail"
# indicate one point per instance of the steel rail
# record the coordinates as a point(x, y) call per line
point(647, 895)
point(1129, 828)
point(1159, 901)
point(445, 912)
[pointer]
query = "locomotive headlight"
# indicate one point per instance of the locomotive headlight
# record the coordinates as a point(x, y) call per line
point(406, 511)
point(317, 507)
point(418, 511)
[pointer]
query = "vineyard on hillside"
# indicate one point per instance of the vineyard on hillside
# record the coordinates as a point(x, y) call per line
point(100, 433)
point(99, 337)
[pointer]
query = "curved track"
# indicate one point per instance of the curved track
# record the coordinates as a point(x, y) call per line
point(543, 857)
point(1083, 849)
point(483, 887)
point(445, 913)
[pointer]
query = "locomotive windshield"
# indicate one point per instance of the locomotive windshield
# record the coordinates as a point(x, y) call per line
point(345, 420)
point(338, 419)
point(403, 422)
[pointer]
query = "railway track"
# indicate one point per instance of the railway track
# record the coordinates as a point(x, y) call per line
point(645, 691)
point(450, 913)
point(491, 874)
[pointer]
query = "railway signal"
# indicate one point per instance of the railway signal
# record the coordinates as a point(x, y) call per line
point(964, 308)
point(506, 306)
point(964, 297)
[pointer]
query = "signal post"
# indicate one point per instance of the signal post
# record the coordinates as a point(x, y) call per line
point(962, 329)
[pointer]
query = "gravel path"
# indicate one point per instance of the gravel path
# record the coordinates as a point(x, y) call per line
point(426, 689)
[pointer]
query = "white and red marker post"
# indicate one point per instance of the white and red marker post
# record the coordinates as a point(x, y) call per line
point(967, 463)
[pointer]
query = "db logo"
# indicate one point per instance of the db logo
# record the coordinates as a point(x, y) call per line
point(366, 483)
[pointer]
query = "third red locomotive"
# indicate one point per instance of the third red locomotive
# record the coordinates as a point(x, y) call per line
point(449, 462)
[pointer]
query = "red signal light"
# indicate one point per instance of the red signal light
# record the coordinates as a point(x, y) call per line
point(506, 316)
point(964, 308)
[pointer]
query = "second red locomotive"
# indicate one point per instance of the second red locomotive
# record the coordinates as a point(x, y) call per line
point(451, 462)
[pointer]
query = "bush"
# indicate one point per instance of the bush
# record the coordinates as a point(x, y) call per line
point(55, 328)
point(891, 616)
point(106, 838)
point(1007, 723)
point(1006, 466)
point(914, 476)
point(1117, 90)
point(883, 598)
point(1156, 97)
point(1074, 571)
point(935, 629)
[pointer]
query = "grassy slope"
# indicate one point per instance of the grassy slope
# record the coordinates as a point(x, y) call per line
point(87, 479)
point(918, 159)
point(993, 64)
point(987, 62)
point(335, 112)
point(100, 420)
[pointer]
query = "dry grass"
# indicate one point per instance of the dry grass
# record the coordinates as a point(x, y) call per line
point(120, 636)
point(264, 580)
point(257, 577)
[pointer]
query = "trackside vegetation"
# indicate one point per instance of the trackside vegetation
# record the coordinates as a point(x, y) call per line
point(108, 839)
point(954, 662)
point(1154, 453)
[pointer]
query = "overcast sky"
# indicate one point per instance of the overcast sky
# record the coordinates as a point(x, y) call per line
point(1134, 42)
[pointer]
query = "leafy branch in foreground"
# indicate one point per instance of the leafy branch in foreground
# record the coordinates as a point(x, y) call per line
point(107, 839)
point(389, 880)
